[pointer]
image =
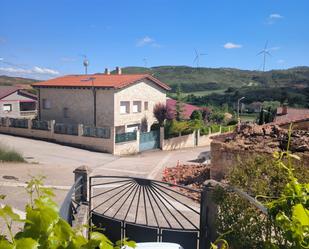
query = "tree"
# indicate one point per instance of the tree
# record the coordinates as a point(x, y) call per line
point(162, 112)
point(196, 115)
point(179, 108)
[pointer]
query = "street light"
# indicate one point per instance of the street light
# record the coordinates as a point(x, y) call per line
point(238, 103)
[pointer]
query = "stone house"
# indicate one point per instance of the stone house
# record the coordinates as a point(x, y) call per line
point(116, 100)
point(17, 103)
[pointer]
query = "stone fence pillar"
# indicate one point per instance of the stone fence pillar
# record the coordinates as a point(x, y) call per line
point(29, 124)
point(52, 126)
point(81, 193)
point(80, 130)
point(161, 138)
point(208, 214)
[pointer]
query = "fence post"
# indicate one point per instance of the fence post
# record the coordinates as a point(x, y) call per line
point(52, 126)
point(80, 130)
point(81, 192)
point(161, 137)
point(7, 122)
point(208, 214)
point(29, 124)
point(198, 134)
point(220, 130)
point(137, 139)
point(209, 130)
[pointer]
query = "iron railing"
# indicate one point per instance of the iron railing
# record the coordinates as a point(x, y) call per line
point(70, 204)
point(40, 125)
point(125, 137)
point(18, 123)
point(101, 132)
point(68, 129)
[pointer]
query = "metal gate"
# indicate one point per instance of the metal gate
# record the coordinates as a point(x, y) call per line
point(149, 140)
point(145, 210)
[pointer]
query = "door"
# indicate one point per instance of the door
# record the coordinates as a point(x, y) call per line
point(149, 140)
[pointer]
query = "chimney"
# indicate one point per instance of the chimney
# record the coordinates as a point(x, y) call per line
point(284, 109)
point(106, 71)
point(118, 70)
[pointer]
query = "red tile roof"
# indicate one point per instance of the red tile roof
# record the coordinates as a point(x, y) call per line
point(293, 115)
point(7, 90)
point(188, 109)
point(99, 80)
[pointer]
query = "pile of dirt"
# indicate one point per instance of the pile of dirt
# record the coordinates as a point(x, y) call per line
point(189, 175)
point(268, 138)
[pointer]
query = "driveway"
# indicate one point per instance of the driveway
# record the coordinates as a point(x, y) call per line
point(57, 163)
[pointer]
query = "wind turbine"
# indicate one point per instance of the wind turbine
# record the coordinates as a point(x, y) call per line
point(145, 62)
point(264, 52)
point(197, 57)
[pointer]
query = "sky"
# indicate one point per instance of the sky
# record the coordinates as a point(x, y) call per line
point(45, 39)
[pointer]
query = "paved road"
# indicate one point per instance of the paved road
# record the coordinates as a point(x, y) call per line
point(57, 163)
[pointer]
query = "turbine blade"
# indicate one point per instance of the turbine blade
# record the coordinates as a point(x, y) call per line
point(266, 45)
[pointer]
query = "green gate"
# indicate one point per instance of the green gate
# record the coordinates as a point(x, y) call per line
point(149, 140)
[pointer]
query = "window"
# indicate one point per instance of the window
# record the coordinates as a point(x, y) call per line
point(46, 104)
point(27, 106)
point(132, 128)
point(65, 112)
point(124, 107)
point(137, 106)
point(7, 107)
point(146, 106)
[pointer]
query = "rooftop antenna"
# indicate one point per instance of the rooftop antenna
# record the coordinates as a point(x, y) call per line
point(264, 52)
point(86, 64)
point(197, 57)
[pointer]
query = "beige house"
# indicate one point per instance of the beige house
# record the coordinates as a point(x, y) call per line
point(17, 103)
point(102, 100)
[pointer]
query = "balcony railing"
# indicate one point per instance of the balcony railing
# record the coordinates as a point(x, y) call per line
point(28, 113)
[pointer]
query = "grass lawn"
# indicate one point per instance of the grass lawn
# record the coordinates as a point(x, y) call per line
point(248, 117)
point(10, 155)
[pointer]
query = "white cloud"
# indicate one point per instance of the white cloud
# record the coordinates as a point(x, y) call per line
point(147, 41)
point(34, 71)
point(275, 16)
point(230, 45)
point(41, 70)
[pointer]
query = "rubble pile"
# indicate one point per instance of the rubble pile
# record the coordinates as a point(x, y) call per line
point(268, 138)
point(189, 175)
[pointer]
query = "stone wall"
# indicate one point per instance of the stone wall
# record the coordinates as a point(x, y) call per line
point(91, 143)
point(228, 149)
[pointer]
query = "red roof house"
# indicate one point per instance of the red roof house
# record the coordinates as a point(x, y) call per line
point(188, 109)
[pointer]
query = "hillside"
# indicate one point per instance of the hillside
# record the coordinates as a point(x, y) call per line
point(15, 81)
point(210, 79)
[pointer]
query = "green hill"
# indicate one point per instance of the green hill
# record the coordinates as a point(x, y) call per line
point(14, 81)
point(216, 79)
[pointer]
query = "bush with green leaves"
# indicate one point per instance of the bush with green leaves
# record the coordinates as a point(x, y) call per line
point(282, 186)
point(43, 228)
point(196, 115)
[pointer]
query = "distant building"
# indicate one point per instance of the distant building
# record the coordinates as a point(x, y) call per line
point(103, 100)
point(254, 107)
point(187, 108)
point(17, 103)
point(287, 115)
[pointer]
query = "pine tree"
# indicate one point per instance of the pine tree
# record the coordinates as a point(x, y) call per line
point(179, 108)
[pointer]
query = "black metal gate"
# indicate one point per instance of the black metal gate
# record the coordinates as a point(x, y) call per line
point(145, 210)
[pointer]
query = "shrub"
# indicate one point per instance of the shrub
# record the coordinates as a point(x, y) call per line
point(204, 131)
point(10, 155)
point(232, 122)
point(196, 115)
point(216, 117)
point(155, 127)
point(214, 128)
point(246, 226)
point(161, 112)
